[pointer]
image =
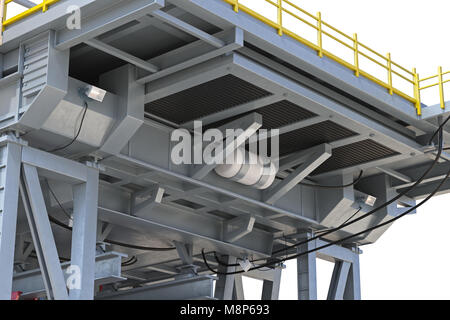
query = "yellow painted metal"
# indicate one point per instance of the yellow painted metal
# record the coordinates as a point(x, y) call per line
point(320, 34)
point(441, 87)
point(43, 6)
point(417, 92)
point(391, 88)
point(353, 44)
point(280, 17)
point(356, 50)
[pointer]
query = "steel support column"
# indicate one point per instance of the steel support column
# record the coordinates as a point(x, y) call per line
point(84, 235)
point(225, 283)
point(271, 288)
point(10, 155)
point(307, 273)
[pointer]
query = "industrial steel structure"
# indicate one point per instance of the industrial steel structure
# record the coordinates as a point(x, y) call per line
point(92, 205)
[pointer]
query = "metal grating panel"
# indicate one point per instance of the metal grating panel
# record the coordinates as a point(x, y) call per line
point(205, 99)
point(304, 138)
point(275, 115)
point(355, 154)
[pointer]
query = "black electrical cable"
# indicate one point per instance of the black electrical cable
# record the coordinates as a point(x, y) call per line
point(57, 201)
point(113, 242)
point(440, 132)
point(86, 106)
point(271, 264)
point(334, 187)
point(130, 262)
point(384, 205)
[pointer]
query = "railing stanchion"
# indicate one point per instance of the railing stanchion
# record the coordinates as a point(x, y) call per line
point(441, 87)
point(2, 18)
point(319, 34)
point(236, 5)
point(280, 17)
point(417, 92)
point(356, 50)
point(389, 61)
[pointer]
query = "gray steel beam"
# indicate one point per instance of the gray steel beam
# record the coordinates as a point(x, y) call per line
point(193, 54)
point(186, 27)
point(106, 20)
point(225, 283)
point(84, 235)
point(189, 288)
point(107, 271)
point(42, 233)
point(314, 160)
point(217, 189)
point(97, 44)
point(249, 124)
point(10, 160)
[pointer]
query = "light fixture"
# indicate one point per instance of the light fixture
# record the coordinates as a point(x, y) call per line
point(370, 200)
point(245, 264)
point(94, 93)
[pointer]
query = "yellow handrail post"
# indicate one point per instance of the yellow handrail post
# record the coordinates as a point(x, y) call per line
point(2, 18)
point(389, 61)
point(417, 92)
point(320, 34)
point(44, 6)
point(441, 87)
point(356, 50)
point(280, 17)
point(236, 5)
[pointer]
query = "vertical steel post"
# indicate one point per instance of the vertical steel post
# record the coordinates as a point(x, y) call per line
point(353, 286)
point(84, 235)
point(307, 272)
point(225, 283)
point(271, 289)
point(10, 160)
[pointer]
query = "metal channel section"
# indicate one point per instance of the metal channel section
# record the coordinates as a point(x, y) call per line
point(92, 203)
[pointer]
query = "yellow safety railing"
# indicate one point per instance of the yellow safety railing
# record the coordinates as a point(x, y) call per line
point(440, 84)
point(42, 6)
point(287, 10)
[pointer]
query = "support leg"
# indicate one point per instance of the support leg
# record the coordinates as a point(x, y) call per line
point(10, 159)
point(84, 236)
point(42, 234)
point(307, 273)
point(271, 289)
point(225, 284)
point(353, 287)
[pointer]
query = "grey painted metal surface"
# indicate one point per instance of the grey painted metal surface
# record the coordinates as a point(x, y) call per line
point(165, 65)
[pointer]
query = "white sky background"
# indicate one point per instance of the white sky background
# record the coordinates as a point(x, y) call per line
point(412, 260)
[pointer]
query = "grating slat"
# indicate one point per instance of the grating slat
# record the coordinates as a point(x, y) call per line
point(205, 99)
point(355, 154)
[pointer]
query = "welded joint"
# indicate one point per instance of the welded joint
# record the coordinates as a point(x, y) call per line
point(237, 228)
